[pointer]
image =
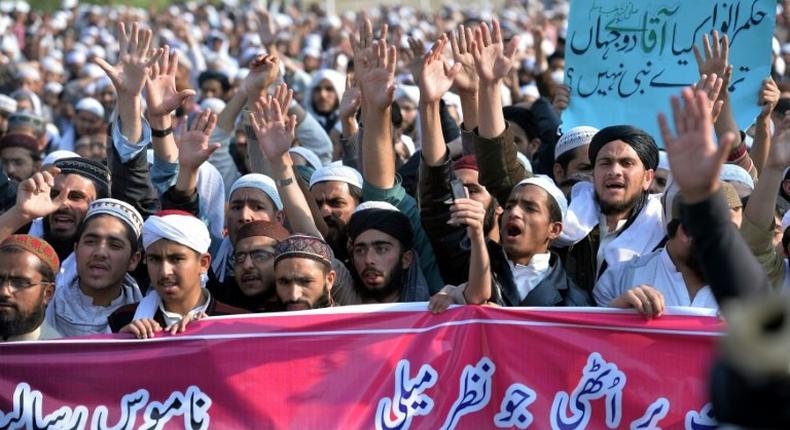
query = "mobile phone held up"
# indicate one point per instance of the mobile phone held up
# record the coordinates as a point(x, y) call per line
point(459, 190)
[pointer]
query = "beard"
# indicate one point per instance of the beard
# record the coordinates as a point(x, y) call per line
point(324, 301)
point(336, 236)
point(392, 283)
point(614, 208)
point(20, 324)
point(63, 244)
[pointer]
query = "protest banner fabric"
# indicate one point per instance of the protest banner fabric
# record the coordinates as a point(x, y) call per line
point(624, 59)
point(392, 367)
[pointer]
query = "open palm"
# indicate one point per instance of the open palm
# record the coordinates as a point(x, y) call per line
point(134, 60)
point(436, 77)
point(493, 60)
point(162, 97)
point(193, 146)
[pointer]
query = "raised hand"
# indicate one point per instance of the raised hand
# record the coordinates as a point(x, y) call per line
point(769, 96)
point(375, 71)
point(135, 59)
point(470, 213)
point(717, 54)
point(162, 97)
point(352, 98)
point(693, 157)
point(283, 96)
point(274, 130)
point(436, 76)
point(266, 28)
point(34, 196)
point(711, 86)
point(493, 60)
point(193, 146)
point(264, 70)
point(466, 79)
point(414, 58)
point(562, 97)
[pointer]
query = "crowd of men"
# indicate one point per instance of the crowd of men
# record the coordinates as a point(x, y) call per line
point(206, 160)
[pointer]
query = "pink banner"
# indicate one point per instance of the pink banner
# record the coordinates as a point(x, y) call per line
point(392, 367)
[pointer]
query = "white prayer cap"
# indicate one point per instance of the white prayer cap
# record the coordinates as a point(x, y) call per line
point(68, 4)
point(103, 83)
point(308, 155)
point(311, 51)
point(531, 90)
point(51, 65)
point(54, 156)
point(119, 209)
point(663, 160)
point(786, 221)
point(178, 226)
point(733, 173)
point(375, 204)
point(550, 187)
point(76, 57)
point(92, 71)
point(22, 6)
point(52, 131)
point(574, 138)
point(337, 173)
point(775, 46)
point(411, 92)
point(259, 182)
point(7, 104)
point(241, 74)
point(27, 72)
point(215, 105)
point(313, 40)
point(97, 51)
point(524, 161)
point(337, 79)
point(91, 105)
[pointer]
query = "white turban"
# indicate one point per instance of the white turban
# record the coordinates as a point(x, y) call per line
point(260, 182)
point(183, 229)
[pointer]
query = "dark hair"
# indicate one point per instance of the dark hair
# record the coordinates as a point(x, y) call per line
point(523, 118)
point(555, 213)
point(44, 270)
point(209, 75)
point(566, 157)
point(355, 192)
point(133, 240)
point(672, 228)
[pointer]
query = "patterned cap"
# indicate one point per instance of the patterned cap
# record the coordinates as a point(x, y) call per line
point(119, 209)
point(262, 228)
point(20, 140)
point(304, 246)
point(93, 170)
point(37, 246)
point(574, 138)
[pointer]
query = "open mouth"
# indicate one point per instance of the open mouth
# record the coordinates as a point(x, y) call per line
point(614, 186)
point(512, 231)
point(250, 277)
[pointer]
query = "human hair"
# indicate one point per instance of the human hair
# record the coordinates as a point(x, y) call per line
point(355, 192)
point(133, 240)
point(672, 228)
point(555, 213)
point(44, 270)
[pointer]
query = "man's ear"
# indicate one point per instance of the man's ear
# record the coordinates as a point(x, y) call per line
point(49, 291)
point(559, 173)
point(555, 229)
point(134, 260)
point(279, 217)
point(533, 146)
point(650, 174)
point(205, 262)
point(407, 258)
point(330, 279)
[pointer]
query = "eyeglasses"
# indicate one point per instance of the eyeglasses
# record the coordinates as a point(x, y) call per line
point(257, 255)
point(19, 284)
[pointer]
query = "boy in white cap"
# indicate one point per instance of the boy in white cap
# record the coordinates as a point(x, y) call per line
point(570, 153)
point(176, 246)
point(523, 271)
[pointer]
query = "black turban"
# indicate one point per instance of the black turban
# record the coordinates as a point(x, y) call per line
point(392, 222)
point(643, 143)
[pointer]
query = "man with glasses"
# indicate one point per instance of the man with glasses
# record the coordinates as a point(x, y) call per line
point(27, 282)
point(253, 264)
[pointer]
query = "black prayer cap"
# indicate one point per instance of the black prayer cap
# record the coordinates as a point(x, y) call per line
point(93, 170)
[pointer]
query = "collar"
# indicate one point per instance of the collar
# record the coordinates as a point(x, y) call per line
point(538, 263)
point(604, 226)
point(33, 335)
point(173, 317)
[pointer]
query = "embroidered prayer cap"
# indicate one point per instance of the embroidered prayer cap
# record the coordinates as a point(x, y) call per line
point(180, 227)
point(548, 185)
point(338, 173)
point(20, 140)
point(7, 104)
point(119, 209)
point(727, 190)
point(466, 162)
point(381, 216)
point(260, 182)
point(308, 155)
point(91, 105)
point(93, 170)
point(37, 246)
point(304, 246)
point(643, 144)
point(574, 138)
point(262, 228)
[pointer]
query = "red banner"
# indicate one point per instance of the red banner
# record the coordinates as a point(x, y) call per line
point(391, 367)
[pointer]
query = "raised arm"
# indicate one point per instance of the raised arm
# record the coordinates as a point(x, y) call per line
point(374, 63)
point(135, 59)
point(33, 200)
point(761, 147)
point(436, 78)
point(727, 264)
point(466, 81)
point(472, 214)
point(275, 133)
point(194, 149)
